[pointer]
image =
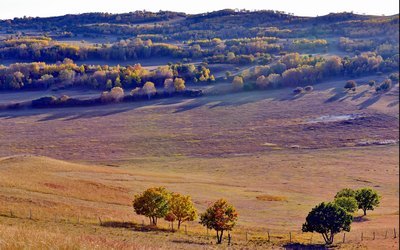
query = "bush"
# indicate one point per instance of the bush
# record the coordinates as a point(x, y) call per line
point(350, 85)
point(372, 83)
point(394, 77)
point(238, 83)
point(298, 90)
point(116, 94)
point(44, 101)
point(308, 88)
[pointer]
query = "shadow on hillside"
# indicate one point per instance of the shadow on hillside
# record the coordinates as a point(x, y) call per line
point(133, 226)
point(298, 246)
point(189, 242)
point(339, 95)
point(369, 102)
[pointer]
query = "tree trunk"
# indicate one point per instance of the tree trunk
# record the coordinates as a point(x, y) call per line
point(365, 212)
point(219, 236)
point(179, 224)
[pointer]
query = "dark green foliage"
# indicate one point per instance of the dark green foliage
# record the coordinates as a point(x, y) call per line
point(367, 199)
point(347, 203)
point(327, 219)
point(346, 192)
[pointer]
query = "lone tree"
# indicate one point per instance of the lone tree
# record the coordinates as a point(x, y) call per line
point(327, 219)
point(367, 199)
point(152, 203)
point(221, 216)
point(347, 203)
point(149, 89)
point(181, 209)
point(345, 192)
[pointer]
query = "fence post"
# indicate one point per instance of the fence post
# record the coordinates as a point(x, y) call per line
point(185, 229)
point(344, 237)
point(30, 214)
point(100, 221)
point(269, 238)
point(373, 233)
point(362, 236)
point(394, 231)
point(311, 238)
point(11, 213)
point(290, 237)
point(386, 234)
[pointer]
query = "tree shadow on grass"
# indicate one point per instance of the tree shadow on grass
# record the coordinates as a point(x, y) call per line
point(361, 218)
point(133, 226)
point(299, 246)
point(190, 242)
point(369, 102)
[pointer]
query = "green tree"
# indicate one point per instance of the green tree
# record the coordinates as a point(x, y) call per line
point(152, 203)
point(347, 203)
point(367, 199)
point(220, 216)
point(327, 219)
point(181, 209)
point(345, 192)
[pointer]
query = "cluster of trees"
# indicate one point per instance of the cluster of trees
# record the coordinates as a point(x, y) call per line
point(69, 74)
point(156, 203)
point(308, 45)
point(296, 70)
point(330, 218)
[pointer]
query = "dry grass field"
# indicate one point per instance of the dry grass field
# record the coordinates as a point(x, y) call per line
point(273, 155)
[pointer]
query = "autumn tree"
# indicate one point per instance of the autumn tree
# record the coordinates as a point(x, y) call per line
point(149, 89)
point(179, 84)
point(262, 82)
point(327, 219)
point(367, 199)
point(153, 203)
point(169, 85)
point(116, 94)
point(220, 216)
point(238, 83)
point(181, 209)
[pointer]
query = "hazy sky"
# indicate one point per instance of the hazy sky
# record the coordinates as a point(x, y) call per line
point(19, 8)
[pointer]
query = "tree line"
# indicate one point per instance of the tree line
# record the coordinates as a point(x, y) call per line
point(327, 218)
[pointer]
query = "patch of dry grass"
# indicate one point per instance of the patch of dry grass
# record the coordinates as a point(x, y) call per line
point(267, 197)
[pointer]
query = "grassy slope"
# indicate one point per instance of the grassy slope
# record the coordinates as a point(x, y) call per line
point(241, 151)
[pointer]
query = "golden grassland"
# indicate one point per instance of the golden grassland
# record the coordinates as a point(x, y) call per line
point(63, 172)
point(70, 198)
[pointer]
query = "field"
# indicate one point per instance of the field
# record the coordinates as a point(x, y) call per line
point(273, 155)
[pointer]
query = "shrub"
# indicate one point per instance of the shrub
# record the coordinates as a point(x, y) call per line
point(116, 94)
point(308, 88)
point(350, 85)
point(298, 90)
point(385, 85)
point(394, 77)
point(372, 83)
